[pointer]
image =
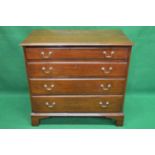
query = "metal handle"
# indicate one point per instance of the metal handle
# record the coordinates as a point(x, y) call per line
point(108, 70)
point(107, 87)
point(104, 104)
point(50, 105)
point(48, 88)
point(46, 70)
point(108, 54)
point(46, 55)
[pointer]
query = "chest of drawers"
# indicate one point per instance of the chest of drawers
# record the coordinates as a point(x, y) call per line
point(77, 73)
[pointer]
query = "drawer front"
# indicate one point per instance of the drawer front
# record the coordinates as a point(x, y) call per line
point(76, 86)
point(77, 104)
point(81, 53)
point(72, 69)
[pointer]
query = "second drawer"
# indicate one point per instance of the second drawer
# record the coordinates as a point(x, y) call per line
point(77, 69)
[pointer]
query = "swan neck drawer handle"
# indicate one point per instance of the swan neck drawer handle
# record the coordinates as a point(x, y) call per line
point(108, 54)
point(50, 105)
point(105, 87)
point(106, 70)
point(46, 70)
point(46, 55)
point(49, 88)
point(104, 104)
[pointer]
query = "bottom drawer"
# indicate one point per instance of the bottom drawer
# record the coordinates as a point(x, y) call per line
point(97, 103)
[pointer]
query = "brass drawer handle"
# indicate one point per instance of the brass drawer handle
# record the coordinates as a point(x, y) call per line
point(108, 54)
point(104, 105)
point(46, 70)
point(46, 55)
point(48, 88)
point(107, 87)
point(106, 70)
point(50, 105)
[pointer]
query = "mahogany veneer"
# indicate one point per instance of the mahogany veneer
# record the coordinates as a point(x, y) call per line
point(77, 73)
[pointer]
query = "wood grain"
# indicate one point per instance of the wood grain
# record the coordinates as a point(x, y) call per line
point(77, 69)
point(76, 86)
point(69, 73)
point(76, 38)
point(77, 53)
point(77, 103)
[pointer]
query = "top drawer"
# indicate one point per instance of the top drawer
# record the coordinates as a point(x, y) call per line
point(77, 53)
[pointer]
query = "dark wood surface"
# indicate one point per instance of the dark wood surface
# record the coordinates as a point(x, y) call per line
point(80, 103)
point(77, 69)
point(106, 53)
point(77, 38)
point(69, 73)
point(77, 86)
point(118, 117)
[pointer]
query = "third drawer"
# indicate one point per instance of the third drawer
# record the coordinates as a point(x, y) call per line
point(77, 86)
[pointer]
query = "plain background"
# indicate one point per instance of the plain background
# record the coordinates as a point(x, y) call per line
point(14, 98)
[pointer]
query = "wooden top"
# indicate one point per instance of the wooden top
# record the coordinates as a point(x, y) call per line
point(77, 38)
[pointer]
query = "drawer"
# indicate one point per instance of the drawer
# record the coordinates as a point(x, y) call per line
point(77, 53)
point(77, 104)
point(77, 69)
point(77, 86)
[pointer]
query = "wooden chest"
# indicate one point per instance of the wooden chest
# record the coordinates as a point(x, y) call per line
point(77, 73)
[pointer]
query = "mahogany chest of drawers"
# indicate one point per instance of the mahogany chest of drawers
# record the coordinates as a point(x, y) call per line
point(77, 73)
